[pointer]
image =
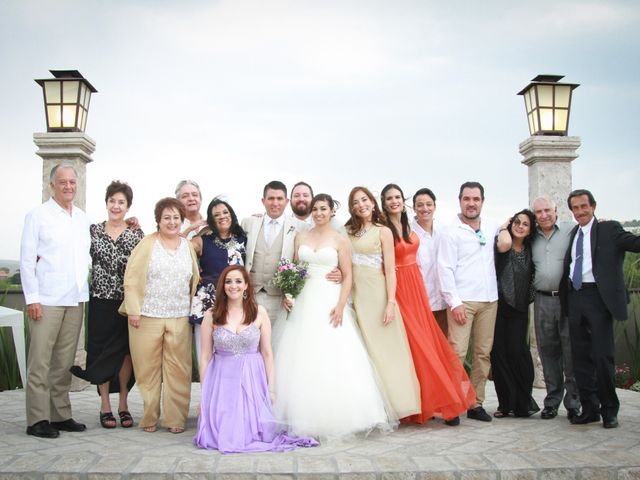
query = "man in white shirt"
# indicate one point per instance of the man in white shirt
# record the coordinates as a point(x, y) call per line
point(424, 204)
point(301, 196)
point(189, 194)
point(468, 281)
point(54, 268)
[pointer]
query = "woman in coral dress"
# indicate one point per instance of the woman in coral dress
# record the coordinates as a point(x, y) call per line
point(444, 385)
point(374, 300)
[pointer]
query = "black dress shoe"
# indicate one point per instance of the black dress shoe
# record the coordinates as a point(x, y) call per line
point(478, 413)
point(610, 422)
point(586, 417)
point(548, 413)
point(70, 426)
point(572, 413)
point(43, 429)
point(453, 422)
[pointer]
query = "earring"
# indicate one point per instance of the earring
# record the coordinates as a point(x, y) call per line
point(244, 295)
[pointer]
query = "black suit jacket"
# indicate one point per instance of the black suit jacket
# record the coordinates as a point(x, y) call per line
point(609, 242)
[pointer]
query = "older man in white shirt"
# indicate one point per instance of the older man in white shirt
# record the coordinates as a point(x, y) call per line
point(468, 281)
point(54, 267)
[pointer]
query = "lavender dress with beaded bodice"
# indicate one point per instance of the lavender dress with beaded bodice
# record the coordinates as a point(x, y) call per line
point(235, 409)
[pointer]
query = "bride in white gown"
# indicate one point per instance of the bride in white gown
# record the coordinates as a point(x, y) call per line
point(326, 385)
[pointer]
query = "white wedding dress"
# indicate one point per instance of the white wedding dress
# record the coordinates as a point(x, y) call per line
point(325, 384)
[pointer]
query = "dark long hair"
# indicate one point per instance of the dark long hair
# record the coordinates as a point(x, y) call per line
point(404, 218)
point(354, 224)
point(532, 225)
point(221, 307)
point(235, 229)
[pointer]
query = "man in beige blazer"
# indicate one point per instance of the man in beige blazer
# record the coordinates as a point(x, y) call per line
point(270, 237)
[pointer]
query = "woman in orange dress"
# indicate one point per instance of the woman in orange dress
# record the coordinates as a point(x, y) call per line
point(445, 389)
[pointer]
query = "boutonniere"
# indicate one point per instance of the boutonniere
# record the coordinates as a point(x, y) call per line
point(291, 229)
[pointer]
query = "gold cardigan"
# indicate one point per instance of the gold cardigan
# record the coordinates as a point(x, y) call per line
point(135, 276)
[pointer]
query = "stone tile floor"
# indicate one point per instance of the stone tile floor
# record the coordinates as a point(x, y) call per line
point(503, 449)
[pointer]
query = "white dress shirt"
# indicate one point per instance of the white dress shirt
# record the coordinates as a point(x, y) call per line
point(466, 268)
point(54, 256)
point(587, 265)
point(426, 258)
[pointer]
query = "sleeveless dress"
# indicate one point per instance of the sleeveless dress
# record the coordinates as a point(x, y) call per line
point(444, 384)
point(387, 344)
point(325, 383)
point(235, 409)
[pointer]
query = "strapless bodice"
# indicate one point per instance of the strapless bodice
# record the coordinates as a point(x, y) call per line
point(227, 342)
point(322, 260)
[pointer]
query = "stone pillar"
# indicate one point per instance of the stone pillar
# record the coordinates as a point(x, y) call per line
point(74, 148)
point(548, 158)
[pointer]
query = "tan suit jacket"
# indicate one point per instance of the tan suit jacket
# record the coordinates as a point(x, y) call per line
point(253, 226)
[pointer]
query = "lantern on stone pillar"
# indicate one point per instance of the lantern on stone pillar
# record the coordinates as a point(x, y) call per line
point(66, 100)
point(548, 104)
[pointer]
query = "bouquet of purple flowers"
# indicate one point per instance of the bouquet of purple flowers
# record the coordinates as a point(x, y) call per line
point(290, 277)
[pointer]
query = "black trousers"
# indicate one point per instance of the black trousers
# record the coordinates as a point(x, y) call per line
point(592, 349)
point(511, 362)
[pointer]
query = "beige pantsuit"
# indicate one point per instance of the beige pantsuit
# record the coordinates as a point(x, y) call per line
point(52, 349)
point(480, 326)
point(161, 355)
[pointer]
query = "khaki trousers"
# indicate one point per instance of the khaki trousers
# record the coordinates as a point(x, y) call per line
point(480, 327)
point(273, 306)
point(52, 349)
point(161, 355)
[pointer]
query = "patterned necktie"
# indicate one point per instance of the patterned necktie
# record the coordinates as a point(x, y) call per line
point(576, 279)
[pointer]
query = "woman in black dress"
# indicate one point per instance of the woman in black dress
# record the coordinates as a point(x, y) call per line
point(511, 361)
point(108, 358)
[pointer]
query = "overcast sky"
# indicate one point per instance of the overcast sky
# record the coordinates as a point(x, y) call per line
point(337, 93)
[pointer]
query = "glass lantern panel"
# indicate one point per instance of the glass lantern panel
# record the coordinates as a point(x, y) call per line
point(70, 91)
point(563, 93)
point(534, 100)
point(69, 116)
point(82, 118)
point(532, 125)
point(83, 92)
point(561, 117)
point(527, 101)
point(52, 92)
point(54, 117)
point(546, 119)
point(545, 95)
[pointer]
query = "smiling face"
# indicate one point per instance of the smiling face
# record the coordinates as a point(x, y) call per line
point(234, 285)
point(275, 201)
point(189, 196)
point(301, 200)
point(362, 206)
point(546, 214)
point(63, 188)
point(393, 201)
point(117, 206)
point(521, 227)
point(321, 212)
point(424, 206)
point(471, 203)
point(582, 210)
point(170, 222)
point(222, 218)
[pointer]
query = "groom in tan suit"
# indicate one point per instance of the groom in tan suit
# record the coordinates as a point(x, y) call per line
point(270, 237)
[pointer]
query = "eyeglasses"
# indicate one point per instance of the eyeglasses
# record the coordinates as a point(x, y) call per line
point(480, 235)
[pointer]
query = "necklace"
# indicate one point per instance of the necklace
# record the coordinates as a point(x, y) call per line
point(361, 232)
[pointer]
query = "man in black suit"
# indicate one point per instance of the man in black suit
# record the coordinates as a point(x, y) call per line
point(593, 292)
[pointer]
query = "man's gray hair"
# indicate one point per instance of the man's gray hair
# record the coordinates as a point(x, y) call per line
point(187, 182)
point(52, 174)
point(545, 198)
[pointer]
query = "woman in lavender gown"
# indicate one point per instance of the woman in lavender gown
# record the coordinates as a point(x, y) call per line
point(237, 368)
